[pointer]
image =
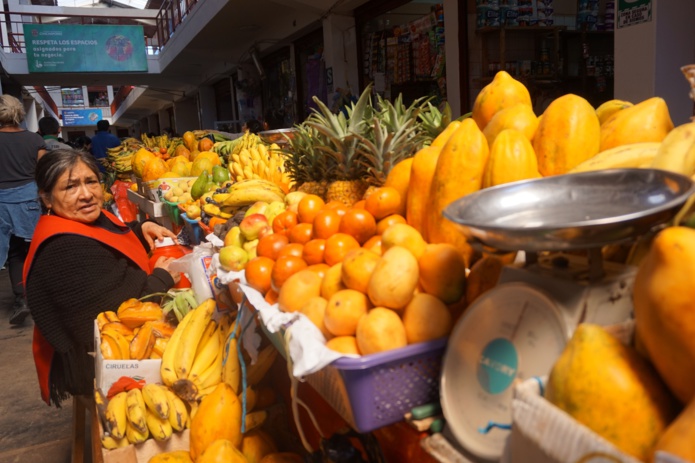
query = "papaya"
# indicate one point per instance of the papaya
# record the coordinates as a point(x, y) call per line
point(257, 444)
point(443, 137)
point(520, 117)
point(399, 178)
point(154, 169)
point(177, 456)
point(608, 387)
point(610, 107)
point(664, 305)
point(221, 451)
point(567, 135)
point(679, 437)
point(218, 417)
point(140, 160)
point(190, 141)
point(511, 159)
point(421, 175)
point(647, 121)
point(503, 92)
point(460, 168)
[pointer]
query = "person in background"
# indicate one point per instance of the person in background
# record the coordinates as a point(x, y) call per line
point(102, 141)
point(19, 202)
point(82, 143)
point(82, 261)
point(49, 129)
point(253, 126)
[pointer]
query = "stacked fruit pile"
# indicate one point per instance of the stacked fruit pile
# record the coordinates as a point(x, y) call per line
point(120, 158)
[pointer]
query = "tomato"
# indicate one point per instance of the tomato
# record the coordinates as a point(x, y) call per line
point(359, 204)
point(337, 206)
point(301, 233)
point(292, 249)
point(326, 223)
point(309, 206)
point(337, 246)
point(270, 245)
point(358, 223)
point(257, 272)
point(284, 222)
point(284, 268)
point(313, 251)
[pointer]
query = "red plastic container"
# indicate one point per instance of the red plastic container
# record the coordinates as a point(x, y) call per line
point(168, 248)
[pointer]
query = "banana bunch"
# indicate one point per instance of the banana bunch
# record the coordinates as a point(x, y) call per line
point(120, 158)
point(631, 155)
point(228, 147)
point(259, 161)
point(161, 144)
point(213, 210)
point(181, 301)
point(134, 416)
point(246, 192)
point(677, 151)
point(121, 342)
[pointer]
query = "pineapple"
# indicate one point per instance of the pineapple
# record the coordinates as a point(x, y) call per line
point(308, 167)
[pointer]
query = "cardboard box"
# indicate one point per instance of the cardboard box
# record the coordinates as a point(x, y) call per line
point(110, 371)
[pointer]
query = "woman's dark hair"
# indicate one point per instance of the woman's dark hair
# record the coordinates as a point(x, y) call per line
point(55, 163)
point(254, 126)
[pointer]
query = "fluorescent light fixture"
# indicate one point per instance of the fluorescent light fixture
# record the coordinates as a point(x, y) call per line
point(257, 62)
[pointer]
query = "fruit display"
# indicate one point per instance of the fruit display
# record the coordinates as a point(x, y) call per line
point(120, 158)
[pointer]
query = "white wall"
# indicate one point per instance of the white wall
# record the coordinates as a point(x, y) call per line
point(340, 52)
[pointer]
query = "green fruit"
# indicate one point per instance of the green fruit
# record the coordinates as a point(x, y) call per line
point(211, 186)
point(200, 185)
point(220, 175)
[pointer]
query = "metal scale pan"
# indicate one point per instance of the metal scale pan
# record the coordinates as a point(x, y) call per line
point(518, 329)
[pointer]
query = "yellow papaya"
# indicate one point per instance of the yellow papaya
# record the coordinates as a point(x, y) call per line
point(511, 159)
point(257, 444)
point(221, 451)
point(503, 92)
point(567, 135)
point(443, 137)
point(610, 107)
point(421, 175)
point(520, 117)
point(154, 169)
point(608, 387)
point(679, 437)
point(399, 178)
point(140, 160)
point(218, 417)
point(177, 456)
point(647, 121)
point(664, 304)
point(459, 171)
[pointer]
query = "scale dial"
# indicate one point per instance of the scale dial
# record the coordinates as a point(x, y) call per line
point(511, 333)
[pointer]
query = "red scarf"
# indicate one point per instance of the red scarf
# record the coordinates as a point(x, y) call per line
point(50, 225)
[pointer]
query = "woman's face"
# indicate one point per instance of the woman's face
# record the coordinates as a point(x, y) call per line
point(77, 195)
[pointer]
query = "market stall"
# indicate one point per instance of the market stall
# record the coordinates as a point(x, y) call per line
point(391, 285)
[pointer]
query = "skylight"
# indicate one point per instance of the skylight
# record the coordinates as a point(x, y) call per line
point(139, 4)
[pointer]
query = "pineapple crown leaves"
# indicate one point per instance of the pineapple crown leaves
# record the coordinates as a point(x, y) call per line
point(434, 121)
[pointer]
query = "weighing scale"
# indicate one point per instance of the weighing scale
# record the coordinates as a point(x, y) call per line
point(519, 328)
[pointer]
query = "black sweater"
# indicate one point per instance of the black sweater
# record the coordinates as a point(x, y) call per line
point(72, 279)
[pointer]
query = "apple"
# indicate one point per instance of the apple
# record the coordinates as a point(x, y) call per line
point(294, 197)
point(250, 248)
point(273, 209)
point(193, 211)
point(233, 258)
point(259, 207)
point(252, 225)
point(233, 237)
point(266, 231)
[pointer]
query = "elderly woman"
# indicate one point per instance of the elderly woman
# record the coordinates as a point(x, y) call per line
point(82, 261)
point(19, 201)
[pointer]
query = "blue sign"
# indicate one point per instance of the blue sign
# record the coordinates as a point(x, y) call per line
point(81, 116)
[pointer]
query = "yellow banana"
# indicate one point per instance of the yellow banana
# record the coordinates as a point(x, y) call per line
point(255, 419)
point(167, 370)
point(212, 209)
point(159, 428)
point(116, 415)
point(255, 183)
point(185, 351)
point(251, 398)
point(248, 196)
point(212, 376)
point(677, 151)
point(632, 155)
point(248, 171)
point(178, 413)
point(156, 400)
point(100, 403)
point(231, 371)
point(208, 348)
point(135, 436)
point(135, 410)
point(257, 371)
point(111, 443)
point(219, 197)
point(237, 170)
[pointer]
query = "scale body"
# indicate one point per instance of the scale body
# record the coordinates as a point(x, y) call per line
point(519, 328)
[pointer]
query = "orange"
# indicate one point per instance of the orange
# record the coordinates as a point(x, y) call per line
point(313, 251)
point(257, 272)
point(373, 244)
point(284, 222)
point(426, 318)
point(319, 269)
point(315, 309)
point(270, 245)
point(327, 223)
point(298, 289)
point(337, 206)
point(337, 246)
point(271, 297)
point(399, 178)
point(284, 268)
point(443, 272)
point(380, 330)
point(291, 249)
point(332, 281)
point(358, 267)
point(344, 310)
point(205, 144)
point(358, 223)
point(309, 207)
point(301, 233)
point(387, 221)
point(383, 202)
point(343, 344)
point(359, 204)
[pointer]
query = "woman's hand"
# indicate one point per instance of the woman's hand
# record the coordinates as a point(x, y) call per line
point(153, 231)
point(163, 263)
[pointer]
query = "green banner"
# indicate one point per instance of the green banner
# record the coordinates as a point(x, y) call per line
point(85, 48)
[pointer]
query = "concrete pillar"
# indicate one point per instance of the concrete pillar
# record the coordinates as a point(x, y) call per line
point(109, 93)
point(340, 53)
point(85, 98)
point(186, 115)
point(648, 57)
point(451, 52)
point(31, 121)
point(207, 107)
